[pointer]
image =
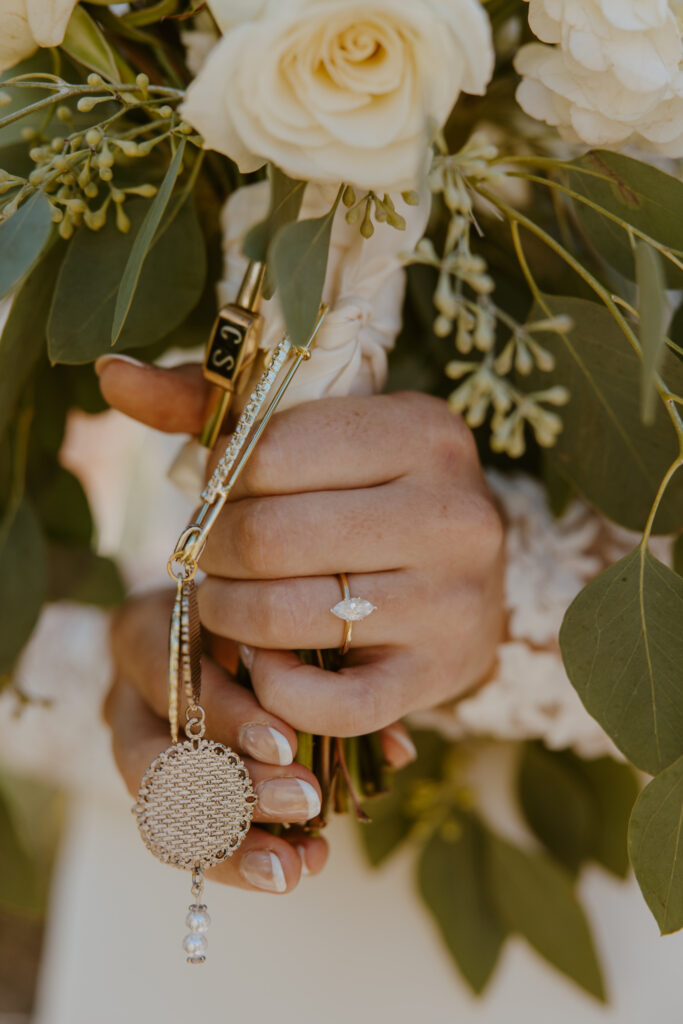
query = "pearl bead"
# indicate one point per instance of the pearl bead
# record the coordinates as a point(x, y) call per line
point(197, 920)
point(195, 944)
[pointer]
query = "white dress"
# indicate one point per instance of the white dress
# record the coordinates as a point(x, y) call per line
point(351, 945)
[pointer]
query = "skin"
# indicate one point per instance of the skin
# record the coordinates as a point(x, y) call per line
point(388, 489)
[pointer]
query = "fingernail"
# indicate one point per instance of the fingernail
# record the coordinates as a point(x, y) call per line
point(105, 360)
point(305, 870)
point(263, 869)
point(288, 798)
point(265, 744)
point(401, 737)
point(247, 655)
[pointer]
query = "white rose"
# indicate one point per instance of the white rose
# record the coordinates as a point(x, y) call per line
point(27, 24)
point(614, 74)
point(364, 288)
point(338, 90)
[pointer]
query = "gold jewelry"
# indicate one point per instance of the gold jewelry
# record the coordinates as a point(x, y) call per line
point(232, 350)
point(350, 609)
point(196, 799)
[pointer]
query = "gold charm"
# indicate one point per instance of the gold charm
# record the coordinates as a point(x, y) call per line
point(195, 802)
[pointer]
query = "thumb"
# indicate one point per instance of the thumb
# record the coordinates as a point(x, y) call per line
point(170, 400)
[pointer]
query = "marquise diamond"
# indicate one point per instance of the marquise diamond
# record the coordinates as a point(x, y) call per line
point(353, 609)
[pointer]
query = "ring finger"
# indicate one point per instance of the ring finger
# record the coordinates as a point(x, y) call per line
point(296, 614)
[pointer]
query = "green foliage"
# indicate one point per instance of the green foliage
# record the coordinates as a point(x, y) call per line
point(390, 822)
point(85, 42)
point(656, 848)
point(299, 263)
point(535, 898)
point(30, 817)
point(578, 809)
point(622, 646)
point(170, 285)
point(453, 881)
point(75, 573)
point(653, 322)
point(142, 244)
point(642, 196)
point(286, 197)
point(23, 581)
point(23, 338)
point(23, 237)
point(605, 450)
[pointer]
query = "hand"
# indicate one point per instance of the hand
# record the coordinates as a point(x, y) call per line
point(387, 489)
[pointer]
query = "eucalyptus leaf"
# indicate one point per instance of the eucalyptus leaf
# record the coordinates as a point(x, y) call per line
point(614, 788)
point(143, 242)
point(622, 646)
point(62, 506)
point(23, 237)
point(390, 818)
point(23, 338)
point(656, 848)
point(170, 286)
point(639, 194)
point(678, 555)
point(85, 42)
point(75, 573)
point(455, 886)
point(286, 197)
point(535, 897)
point(605, 450)
point(298, 258)
point(558, 805)
point(22, 582)
point(20, 884)
point(653, 322)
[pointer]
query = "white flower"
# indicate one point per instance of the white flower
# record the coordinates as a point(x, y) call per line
point(27, 24)
point(338, 90)
point(613, 74)
point(364, 288)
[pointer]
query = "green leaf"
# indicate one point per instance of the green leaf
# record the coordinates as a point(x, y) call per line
point(622, 646)
point(605, 450)
point(653, 322)
point(23, 236)
point(85, 42)
point(22, 581)
point(578, 809)
point(639, 194)
point(454, 884)
point(62, 506)
point(557, 804)
point(390, 823)
point(614, 788)
point(286, 196)
point(142, 244)
point(170, 285)
point(78, 574)
point(298, 258)
point(656, 846)
point(20, 887)
point(678, 555)
point(23, 338)
point(535, 897)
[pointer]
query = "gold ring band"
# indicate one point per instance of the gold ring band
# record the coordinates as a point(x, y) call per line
point(348, 625)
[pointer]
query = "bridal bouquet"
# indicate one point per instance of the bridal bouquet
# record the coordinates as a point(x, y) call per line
point(493, 187)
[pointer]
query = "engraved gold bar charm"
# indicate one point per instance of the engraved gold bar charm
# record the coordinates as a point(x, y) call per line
point(232, 349)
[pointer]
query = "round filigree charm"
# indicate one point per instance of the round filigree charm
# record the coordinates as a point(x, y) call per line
point(195, 804)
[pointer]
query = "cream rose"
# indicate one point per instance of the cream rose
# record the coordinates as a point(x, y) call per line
point(364, 288)
point(612, 75)
point(338, 90)
point(27, 24)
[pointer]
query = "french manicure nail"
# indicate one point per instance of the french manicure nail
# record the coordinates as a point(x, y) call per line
point(104, 361)
point(247, 656)
point(399, 736)
point(305, 870)
point(288, 798)
point(264, 743)
point(263, 869)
